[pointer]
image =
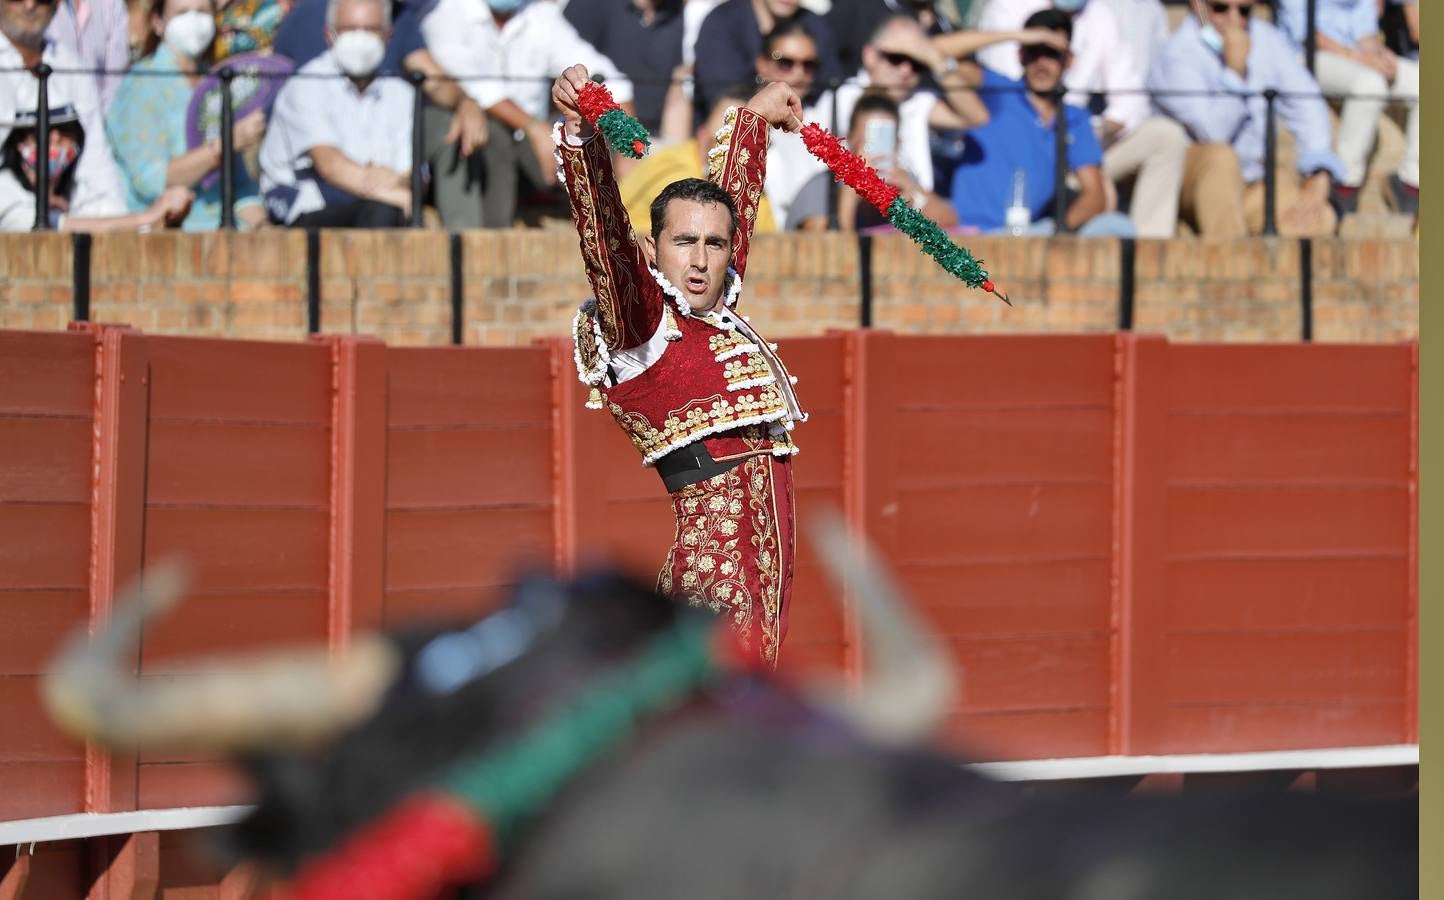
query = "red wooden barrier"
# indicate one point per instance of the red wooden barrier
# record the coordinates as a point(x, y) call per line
point(1130, 546)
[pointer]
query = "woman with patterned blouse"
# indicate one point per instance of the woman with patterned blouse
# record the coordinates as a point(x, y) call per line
point(147, 122)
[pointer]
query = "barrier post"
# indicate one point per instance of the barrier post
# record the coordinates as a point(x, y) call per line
point(228, 147)
point(1271, 158)
point(418, 145)
point(42, 147)
point(1060, 163)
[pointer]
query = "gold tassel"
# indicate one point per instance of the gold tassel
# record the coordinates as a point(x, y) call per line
point(594, 401)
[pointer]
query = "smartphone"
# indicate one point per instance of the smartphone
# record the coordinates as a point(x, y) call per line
point(880, 138)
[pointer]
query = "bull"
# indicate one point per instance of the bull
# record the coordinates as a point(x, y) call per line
point(596, 740)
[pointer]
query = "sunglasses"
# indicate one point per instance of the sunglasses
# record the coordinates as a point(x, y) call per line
point(1032, 53)
point(900, 59)
point(1222, 9)
point(792, 62)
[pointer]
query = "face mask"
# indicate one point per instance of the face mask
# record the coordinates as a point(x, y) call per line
point(61, 156)
point(1211, 37)
point(1068, 6)
point(504, 6)
point(190, 33)
point(358, 53)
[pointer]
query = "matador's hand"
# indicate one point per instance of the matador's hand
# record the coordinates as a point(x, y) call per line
point(564, 95)
point(779, 105)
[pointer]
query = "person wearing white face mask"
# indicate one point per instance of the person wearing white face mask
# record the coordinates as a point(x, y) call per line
point(147, 123)
point(338, 152)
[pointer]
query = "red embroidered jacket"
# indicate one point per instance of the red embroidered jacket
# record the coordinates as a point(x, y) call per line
point(669, 377)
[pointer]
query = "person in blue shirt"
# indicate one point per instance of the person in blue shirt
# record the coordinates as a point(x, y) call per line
point(1352, 60)
point(1211, 76)
point(1013, 157)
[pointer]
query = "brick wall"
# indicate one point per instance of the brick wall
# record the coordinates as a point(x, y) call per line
point(521, 285)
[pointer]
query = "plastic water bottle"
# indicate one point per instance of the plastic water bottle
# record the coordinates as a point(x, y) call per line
point(1018, 216)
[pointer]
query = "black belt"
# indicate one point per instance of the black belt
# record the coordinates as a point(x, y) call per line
point(691, 464)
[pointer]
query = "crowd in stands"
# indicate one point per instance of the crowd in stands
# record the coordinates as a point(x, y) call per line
point(957, 103)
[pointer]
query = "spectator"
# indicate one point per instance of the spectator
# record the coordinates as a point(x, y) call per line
point(1019, 143)
point(640, 186)
point(789, 55)
point(872, 131)
point(505, 54)
point(23, 45)
point(74, 203)
point(454, 126)
point(853, 23)
point(338, 153)
point(731, 39)
point(1351, 59)
point(1108, 77)
point(147, 124)
point(246, 26)
point(644, 38)
point(98, 33)
point(895, 60)
point(1226, 59)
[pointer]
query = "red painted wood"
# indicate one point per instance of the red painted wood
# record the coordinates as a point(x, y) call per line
point(38, 459)
point(131, 866)
point(49, 374)
point(457, 386)
point(239, 381)
point(34, 624)
point(238, 464)
point(14, 875)
point(170, 785)
point(30, 790)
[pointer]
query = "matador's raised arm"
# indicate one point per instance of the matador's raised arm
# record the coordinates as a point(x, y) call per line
point(738, 163)
point(629, 300)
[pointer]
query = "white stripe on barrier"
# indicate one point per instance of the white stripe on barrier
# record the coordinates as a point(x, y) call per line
point(87, 825)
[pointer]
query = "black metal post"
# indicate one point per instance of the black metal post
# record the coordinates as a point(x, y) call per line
point(80, 275)
point(1311, 35)
point(458, 292)
point(1060, 165)
point(864, 279)
point(1271, 158)
point(42, 147)
point(837, 128)
point(1127, 259)
point(418, 145)
point(313, 281)
point(228, 147)
point(1306, 288)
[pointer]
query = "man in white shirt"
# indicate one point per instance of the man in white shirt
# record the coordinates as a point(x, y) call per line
point(1136, 144)
point(23, 45)
point(337, 153)
point(505, 54)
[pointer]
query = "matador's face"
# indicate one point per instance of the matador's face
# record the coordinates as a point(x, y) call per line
point(694, 250)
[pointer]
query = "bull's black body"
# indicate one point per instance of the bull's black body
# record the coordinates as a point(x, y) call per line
point(746, 792)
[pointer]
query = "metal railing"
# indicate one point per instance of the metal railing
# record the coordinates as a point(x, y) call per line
point(227, 76)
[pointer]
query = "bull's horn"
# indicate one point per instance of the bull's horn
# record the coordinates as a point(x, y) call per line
point(277, 698)
point(908, 682)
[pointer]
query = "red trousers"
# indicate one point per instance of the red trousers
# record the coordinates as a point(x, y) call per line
point(735, 548)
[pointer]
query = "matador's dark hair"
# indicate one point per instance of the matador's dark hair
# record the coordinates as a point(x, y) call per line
point(698, 190)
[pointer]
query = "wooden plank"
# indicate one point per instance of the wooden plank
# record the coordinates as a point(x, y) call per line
point(467, 386)
point(42, 788)
point(239, 464)
point(1042, 370)
point(1020, 734)
point(234, 622)
point(44, 460)
point(35, 625)
point(1300, 449)
point(239, 381)
point(44, 547)
point(1296, 664)
point(243, 549)
point(1279, 593)
point(1021, 443)
point(456, 548)
point(129, 866)
point(167, 785)
point(29, 735)
point(1279, 726)
point(1227, 522)
point(1066, 595)
point(48, 373)
point(1296, 377)
point(15, 874)
point(444, 606)
point(1029, 670)
point(57, 870)
point(982, 522)
point(470, 466)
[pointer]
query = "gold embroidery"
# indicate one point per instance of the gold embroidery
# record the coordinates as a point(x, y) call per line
point(769, 562)
point(698, 418)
